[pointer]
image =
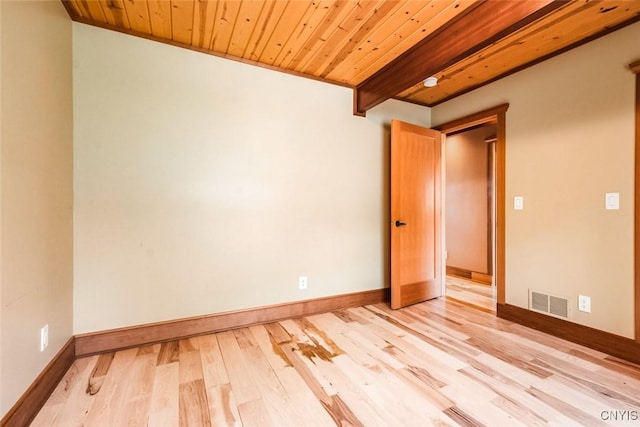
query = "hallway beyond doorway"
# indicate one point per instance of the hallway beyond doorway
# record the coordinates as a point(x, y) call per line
point(472, 293)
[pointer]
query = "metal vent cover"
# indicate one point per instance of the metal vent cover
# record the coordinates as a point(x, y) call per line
point(539, 302)
point(549, 304)
point(559, 306)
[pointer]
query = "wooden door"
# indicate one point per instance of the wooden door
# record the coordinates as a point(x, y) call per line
point(416, 266)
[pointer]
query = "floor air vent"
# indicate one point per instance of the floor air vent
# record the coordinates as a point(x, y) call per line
point(549, 304)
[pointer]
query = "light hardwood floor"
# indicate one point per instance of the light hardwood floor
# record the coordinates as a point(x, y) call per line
point(435, 363)
point(473, 293)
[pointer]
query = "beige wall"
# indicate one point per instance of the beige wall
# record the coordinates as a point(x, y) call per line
point(36, 190)
point(205, 185)
point(570, 140)
point(467, 200)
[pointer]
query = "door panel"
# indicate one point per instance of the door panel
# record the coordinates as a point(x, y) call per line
point(416, 269)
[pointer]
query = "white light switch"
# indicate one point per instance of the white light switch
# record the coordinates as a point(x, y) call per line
point(518, 203)
point(612, 201)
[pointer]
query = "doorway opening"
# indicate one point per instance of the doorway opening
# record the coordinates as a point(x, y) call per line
point(489, 127)
point(469, 215)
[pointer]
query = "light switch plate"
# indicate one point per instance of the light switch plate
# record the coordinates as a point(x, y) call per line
point(612, 201)
point(44, 337)
point(518, 203)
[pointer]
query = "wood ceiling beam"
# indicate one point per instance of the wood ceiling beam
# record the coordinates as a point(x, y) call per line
point(469, 32)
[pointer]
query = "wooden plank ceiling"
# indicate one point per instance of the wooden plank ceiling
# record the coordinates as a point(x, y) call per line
point(357, 43)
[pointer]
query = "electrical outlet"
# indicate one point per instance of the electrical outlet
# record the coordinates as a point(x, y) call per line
point(302, 282)
point(584, 303)
point(44, 337)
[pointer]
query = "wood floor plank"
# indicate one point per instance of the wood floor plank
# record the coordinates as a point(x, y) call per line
point(423, 389)
point(403, 405)
point(442, 362)
point(214, 372)
point(519, 412)
point(573, 397)
point(58, 398)
point(281, 392)
point(279, 334)
point(355, 339)
point(611, 398)
point(110, 401)
point(76, 404)
point(99, 373)
point(575, 414)
point(300, 396)
point(336, 393)
point(425, 322)
point(478, 295)
point(190, 366)
point(240, 380)
point(270, 346)
point(439, 353)
point(169, 352)
point(515, 399)
point(359, 371)
point(164, 405)
point(407, 349)
point(137, 395)
point(255, 413)
point(273, 395)
point(194, 405)
point(491, 414)
point(381, 384)
point(462, 418)
point(223, 409)
point(188, 344)
point(47, 415)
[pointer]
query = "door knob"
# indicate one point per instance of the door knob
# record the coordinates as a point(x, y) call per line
point(400, 223)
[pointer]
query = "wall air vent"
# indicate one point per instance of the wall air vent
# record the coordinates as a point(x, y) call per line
point(548, 304)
